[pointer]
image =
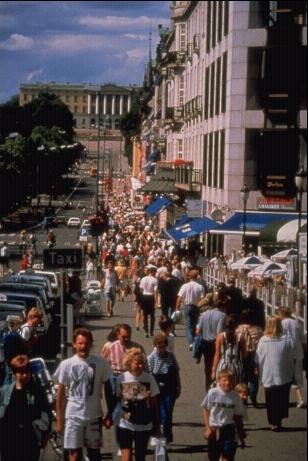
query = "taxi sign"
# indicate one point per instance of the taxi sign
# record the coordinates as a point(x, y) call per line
point(62, 258)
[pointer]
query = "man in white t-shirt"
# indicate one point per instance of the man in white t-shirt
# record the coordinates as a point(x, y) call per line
point(83, 375)
point(190, 294)
point(148, 287)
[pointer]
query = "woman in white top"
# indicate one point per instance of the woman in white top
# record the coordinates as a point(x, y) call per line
point(294, 331)
point(137, 413)
point(275, 356)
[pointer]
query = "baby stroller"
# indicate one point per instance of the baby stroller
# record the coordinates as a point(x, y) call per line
point(41, 375)
point(93, 298)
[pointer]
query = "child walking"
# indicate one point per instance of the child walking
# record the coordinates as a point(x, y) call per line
point(223, 419)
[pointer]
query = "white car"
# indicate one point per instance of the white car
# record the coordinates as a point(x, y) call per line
point(86, 223)
point(73, 222)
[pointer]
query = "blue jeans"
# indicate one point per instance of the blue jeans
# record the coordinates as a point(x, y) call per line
point(191, 315)
point(167, 402)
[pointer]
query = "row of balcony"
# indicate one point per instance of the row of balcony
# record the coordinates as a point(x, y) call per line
point(188, 178)
point(193, 108)
point(185, 176)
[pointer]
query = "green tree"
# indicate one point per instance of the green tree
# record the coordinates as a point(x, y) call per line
point(49, 111)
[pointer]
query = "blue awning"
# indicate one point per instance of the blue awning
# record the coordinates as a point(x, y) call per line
point(182, 220)
point(191, 228)
point(158, 205)
point(255, 222)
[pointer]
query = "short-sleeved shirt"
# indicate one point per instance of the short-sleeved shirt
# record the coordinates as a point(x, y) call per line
point(148, 285)
point(211, 324)
point(191, 292)
point(134, 393)
point(84, 379)
point(223, 406)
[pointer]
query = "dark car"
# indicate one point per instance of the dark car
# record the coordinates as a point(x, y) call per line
point(35, 279)
point(61, 220)
point(26, 287)
point(30, 300)
point(49, 222)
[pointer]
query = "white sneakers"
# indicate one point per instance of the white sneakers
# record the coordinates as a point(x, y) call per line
point(300, 404)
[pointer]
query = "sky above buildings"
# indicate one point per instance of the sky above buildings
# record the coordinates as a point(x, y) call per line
point(76, 41)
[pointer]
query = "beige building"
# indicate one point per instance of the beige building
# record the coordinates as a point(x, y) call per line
point(225, 100)
point(86, 101)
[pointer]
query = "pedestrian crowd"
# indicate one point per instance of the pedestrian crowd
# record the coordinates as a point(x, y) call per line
point(240, 349)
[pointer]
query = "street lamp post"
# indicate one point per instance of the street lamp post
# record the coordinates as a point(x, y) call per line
point(301, 185)
point(244, 192)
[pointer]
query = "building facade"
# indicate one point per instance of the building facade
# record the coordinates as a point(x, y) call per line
point(226, 102)
point(86, 101)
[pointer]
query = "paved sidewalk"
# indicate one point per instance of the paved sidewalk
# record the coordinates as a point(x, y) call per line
point(189, 444)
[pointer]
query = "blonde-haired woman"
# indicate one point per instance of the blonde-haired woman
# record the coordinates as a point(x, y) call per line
point(137, 413)
point(275, 356)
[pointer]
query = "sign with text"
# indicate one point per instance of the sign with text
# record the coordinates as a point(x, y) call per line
point(194, 208)
point(276, 203)
point(62, 258)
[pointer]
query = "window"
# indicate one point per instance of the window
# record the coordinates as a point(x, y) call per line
point(67, 98)
point(219, 17)
point(226, 18)
point(214, 27)
point(25, 97)
point(75, 98)
point(210, 161)
point(180, 147)
point(75, 109)
point(218, 86)
point(222, 160)
point(212, 90)
point(206, 93)
point(84, 99)
point(205, 158)
point(215, 159)
point(181, 91)
point(182, 46)
point(208, 26)
point(254, 70)
point(224, 83)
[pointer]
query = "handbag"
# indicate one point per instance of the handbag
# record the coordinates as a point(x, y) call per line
point(160, 453)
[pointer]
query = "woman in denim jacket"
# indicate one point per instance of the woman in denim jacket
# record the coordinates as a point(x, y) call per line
point(24, 415)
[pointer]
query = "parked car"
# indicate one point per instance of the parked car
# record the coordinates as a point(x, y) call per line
point(86, 223)
point(35, 279)
point(73, 222)
point(52, 276)
point(30, 301)
point(61, 220)
point(28, 288)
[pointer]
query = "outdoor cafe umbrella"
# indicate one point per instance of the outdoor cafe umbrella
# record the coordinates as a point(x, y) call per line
point(247, 263)
point(268, 270)
point(284, 255)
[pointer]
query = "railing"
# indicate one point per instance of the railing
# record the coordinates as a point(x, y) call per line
point(188, 178)
point(273, 295)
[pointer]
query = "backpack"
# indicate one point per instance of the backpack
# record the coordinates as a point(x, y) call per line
point(231, 359)
point(251, 344)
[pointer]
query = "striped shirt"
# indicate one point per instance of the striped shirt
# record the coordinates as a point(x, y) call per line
point(160, 365)
point(115, 354)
